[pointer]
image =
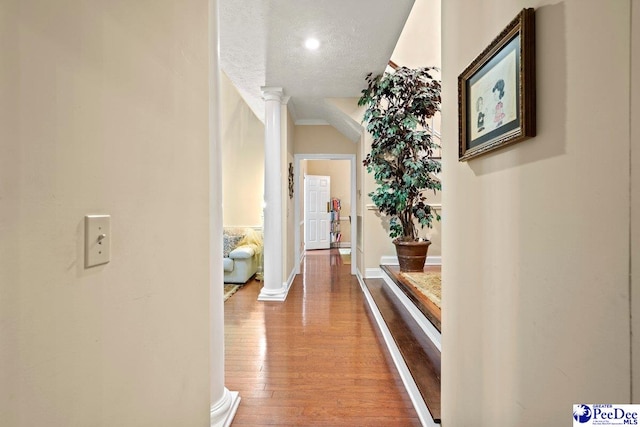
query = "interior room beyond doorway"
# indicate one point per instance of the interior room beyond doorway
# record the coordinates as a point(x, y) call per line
point(339, 211)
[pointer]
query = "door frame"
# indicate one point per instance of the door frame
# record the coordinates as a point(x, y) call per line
point(297, 192)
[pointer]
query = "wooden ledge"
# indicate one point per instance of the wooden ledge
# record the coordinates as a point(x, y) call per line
point(420, 354)
point(424, 304)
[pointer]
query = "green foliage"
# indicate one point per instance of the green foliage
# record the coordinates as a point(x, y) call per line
point(398, 107)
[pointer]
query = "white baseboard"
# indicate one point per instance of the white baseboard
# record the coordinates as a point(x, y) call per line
point(298, 267)
point(389, 260)
point(434, 260)
point(255, 227)
point(403, 370)
point(289, 281)
point(393, 260)
point(373, 273)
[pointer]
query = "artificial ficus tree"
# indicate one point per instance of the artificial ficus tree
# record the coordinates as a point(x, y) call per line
point(399, 106)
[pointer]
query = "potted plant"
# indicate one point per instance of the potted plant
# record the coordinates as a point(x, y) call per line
point(398, 108)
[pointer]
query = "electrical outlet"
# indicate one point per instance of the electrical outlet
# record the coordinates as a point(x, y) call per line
point(97, 240)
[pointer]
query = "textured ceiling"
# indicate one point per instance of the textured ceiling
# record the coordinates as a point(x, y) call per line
point(262, 44)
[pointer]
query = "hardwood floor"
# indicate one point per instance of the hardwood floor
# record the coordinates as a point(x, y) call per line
point(315, 359)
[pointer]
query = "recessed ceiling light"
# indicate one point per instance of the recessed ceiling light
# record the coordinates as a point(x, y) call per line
point(312, 44)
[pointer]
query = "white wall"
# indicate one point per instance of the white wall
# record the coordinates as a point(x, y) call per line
point(103, 109)
point(535, 287)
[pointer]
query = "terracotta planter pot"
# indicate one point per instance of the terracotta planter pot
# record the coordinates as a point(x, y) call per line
point(412, 255)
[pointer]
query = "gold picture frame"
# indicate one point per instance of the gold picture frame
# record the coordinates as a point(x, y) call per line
point(497, 91)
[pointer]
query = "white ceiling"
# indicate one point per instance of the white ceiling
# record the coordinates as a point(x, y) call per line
point(262, 44)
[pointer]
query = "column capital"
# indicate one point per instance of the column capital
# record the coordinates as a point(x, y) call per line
point(272, 93)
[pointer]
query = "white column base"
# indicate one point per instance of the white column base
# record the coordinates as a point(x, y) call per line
point(279, 295)
point(223, 411)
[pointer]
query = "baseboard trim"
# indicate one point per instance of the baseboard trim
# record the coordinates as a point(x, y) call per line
point(393, 260)
point(299, 263)
point(396, 356)
point(373, 273)
point(434, 260)
point(289, 281)
point(254, 227)
point(223, 412)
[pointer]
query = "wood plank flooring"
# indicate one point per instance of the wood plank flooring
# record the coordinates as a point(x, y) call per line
point(316, 359)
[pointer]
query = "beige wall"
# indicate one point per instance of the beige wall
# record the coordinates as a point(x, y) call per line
point(242, 159)
point(340, 173)
point(375, 235)
point(304, 165)
point(322, 140)
point(289, 226)
point(635, 199)
point(419, 43)
point(103, 110)
point(360, 198)
point(535, 288)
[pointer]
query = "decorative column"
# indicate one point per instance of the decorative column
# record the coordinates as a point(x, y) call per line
point(273, 288)
point(223, 403)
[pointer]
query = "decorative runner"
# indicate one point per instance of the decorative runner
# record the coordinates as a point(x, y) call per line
point(230, 290)
point(429, 284)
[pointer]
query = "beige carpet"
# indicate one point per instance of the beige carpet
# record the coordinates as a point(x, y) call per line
point(230, 290)
point(429, 284)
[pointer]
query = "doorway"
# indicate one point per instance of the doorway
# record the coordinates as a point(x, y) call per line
point(342, 228)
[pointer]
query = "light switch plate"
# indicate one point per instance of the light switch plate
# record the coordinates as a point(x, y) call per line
point(97, 240)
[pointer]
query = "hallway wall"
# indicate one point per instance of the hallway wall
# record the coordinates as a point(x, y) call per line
point(242, 159)
point(288, 226)
point(635, 198)
point(104, 110)
point(322, 139)
point(536, 291)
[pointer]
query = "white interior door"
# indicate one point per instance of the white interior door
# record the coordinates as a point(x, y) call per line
point(316, 215)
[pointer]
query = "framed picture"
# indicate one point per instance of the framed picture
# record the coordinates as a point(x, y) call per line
point(497, 92)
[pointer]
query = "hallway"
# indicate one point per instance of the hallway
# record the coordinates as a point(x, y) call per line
point(315, 359)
